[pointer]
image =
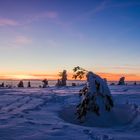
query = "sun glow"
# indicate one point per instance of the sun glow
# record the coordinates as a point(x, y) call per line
point(16, 76)
point(29, 76)
point(23, 76)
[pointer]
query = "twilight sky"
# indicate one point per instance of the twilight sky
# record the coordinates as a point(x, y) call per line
point(42, 37)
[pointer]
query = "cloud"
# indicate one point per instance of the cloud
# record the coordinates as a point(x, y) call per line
point(22, 40)
point(100, 7)
point(126, 67)
point(91, 12)
point(19, 42)
point(8, 22)
point(125, 4)
point(29, 19)
point(42, 15)
point(116, 76)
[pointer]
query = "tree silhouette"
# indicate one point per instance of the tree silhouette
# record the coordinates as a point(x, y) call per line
point(79, 72)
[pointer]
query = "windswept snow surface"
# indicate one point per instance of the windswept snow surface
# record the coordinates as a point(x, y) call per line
point(48, 114)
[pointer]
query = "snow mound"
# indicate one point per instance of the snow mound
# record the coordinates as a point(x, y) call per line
point(120, 115)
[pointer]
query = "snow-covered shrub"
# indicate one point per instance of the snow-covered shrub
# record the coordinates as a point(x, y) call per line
point(94, 96)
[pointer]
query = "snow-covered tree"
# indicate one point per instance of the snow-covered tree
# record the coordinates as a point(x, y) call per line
point(95, 96)
point(2, 85)
point(29, 84)
point(45, 83)
point(20, 84)
point(121, 81)
point(63, 80)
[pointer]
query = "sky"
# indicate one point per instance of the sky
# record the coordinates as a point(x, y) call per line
point(40, 38)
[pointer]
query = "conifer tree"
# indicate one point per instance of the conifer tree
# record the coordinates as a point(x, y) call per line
point(63, 76)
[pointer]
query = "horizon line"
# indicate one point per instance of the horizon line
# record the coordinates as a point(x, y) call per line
point(67, 80)
point(108, 76)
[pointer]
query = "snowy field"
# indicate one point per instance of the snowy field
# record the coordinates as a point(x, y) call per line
point(48, 114)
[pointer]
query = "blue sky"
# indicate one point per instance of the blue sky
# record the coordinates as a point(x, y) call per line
point(46, 36)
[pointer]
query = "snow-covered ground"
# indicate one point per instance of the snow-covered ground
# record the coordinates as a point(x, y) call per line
point(48, 114)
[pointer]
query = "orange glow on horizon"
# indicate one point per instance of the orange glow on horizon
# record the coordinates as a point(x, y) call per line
point(28, 76)
point(116, 76)
point(108, 76)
